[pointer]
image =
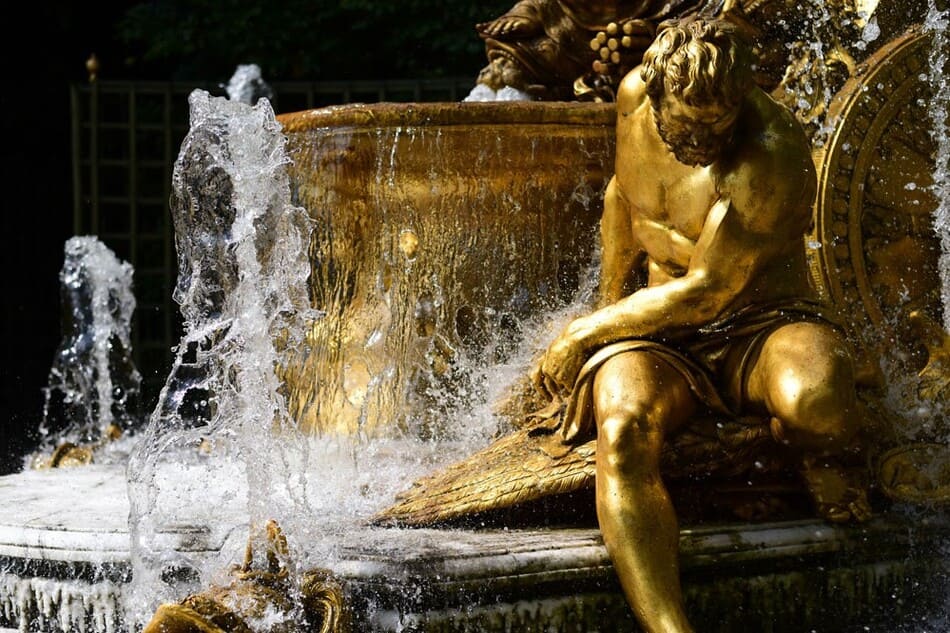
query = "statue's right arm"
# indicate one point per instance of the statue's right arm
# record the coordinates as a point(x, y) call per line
point(622, 257)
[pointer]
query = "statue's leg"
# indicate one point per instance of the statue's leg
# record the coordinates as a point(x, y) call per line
point(638, 400)
point(804, 378)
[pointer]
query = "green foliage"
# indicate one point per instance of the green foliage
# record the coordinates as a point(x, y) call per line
point(297, 39)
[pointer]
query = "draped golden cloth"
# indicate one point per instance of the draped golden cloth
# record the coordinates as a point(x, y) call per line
point(714, 360)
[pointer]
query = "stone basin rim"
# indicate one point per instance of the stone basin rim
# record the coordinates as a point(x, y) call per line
point(448, 114)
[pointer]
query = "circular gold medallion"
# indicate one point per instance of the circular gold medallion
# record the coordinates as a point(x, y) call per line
point(874, 251)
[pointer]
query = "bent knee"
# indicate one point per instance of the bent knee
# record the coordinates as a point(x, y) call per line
point(628, 442)
point(628, 430)
point(634, 425)
point(638, 400)
point(819, 418)
point(810, 386)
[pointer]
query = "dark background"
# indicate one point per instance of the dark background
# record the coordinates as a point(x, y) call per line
point(45, 49)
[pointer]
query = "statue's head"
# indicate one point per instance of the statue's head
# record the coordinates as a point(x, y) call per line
point(697, 73)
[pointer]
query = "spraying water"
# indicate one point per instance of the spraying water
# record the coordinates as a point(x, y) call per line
point(221, 448)
point(93, 383)
point(822, 40)
point(242, 291)
point(247, 85)
point(936, 26)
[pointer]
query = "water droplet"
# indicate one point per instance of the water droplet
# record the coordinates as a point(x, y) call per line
point(871, 30)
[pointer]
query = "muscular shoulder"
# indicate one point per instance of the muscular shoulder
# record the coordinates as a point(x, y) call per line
point(771, 177)
point(631, 93)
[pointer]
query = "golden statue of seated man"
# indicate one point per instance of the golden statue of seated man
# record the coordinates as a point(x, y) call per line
point(706, 302)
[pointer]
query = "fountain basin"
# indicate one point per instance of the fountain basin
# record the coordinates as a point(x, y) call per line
point(440, 230)
point(64, 554)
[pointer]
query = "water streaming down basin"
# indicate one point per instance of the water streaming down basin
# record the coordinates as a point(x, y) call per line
point(442, 232)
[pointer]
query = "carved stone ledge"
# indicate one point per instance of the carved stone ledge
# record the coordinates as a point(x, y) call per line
point(784, 576)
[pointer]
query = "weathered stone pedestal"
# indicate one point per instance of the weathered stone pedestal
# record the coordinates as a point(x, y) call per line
point(64, 556)
point(790, 576)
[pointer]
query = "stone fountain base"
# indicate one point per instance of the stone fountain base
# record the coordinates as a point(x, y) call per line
point(789, 576)
point(64, 556)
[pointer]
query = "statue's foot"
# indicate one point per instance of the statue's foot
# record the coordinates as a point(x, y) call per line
point(510, 27)
point(839, 496)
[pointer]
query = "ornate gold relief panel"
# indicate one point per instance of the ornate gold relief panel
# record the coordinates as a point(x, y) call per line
point(874, 251)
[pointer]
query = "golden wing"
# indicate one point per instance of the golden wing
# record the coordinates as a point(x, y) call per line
point(527, 465)
point(534, 463)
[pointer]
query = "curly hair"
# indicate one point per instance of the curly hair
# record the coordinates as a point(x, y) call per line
point(701, 61)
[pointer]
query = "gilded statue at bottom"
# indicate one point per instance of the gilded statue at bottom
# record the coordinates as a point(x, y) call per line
point(706, 312)
point(705, 301)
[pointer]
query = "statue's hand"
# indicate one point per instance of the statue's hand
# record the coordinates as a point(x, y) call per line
point(557, 372)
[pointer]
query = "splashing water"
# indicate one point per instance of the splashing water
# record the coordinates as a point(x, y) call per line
point(822, 38)
point(482, 93)
point(221, 449)
point(248, 86)
point(936, 26)
point(93, 383)
point(242, 291)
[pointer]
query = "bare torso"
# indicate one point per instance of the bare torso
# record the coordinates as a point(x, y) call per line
point(712, 240)
point(669, 202)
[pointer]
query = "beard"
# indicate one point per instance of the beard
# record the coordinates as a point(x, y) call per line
point(696, 146)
